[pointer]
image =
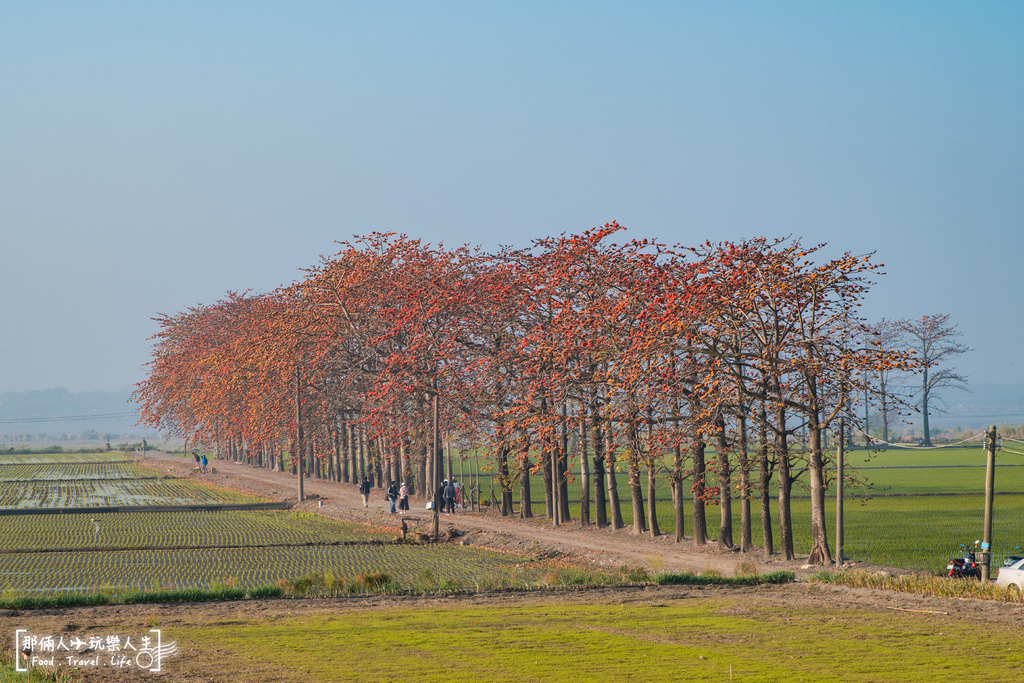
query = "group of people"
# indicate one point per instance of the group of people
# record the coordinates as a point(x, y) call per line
point(200, 460)
point(450, 494)
point(395, 494)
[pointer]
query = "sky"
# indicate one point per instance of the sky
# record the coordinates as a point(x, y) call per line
point(154, 156)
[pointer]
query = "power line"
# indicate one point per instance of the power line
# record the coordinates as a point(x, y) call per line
point(875, 441)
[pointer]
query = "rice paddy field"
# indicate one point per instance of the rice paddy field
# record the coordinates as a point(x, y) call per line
point(115, 493)
point(12, 459)
point(84, 480)
point(89, 471)
point(258, 566)
point(85, 551)
point(201, 529)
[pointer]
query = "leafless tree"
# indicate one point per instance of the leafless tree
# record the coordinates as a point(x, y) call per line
point(934, 341)
point(883, 334)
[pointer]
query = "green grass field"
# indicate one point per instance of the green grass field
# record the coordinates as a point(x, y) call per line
point(718, 638)
point(887, 520)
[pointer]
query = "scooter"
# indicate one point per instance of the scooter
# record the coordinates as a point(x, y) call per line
point(966, 567)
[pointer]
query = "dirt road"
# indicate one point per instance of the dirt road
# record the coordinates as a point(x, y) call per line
point(598, 548)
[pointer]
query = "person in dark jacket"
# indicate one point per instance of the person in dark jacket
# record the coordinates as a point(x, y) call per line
point(392, 496)
point(364, 491)
point(449, 498)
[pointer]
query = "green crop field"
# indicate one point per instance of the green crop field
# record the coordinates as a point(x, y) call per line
point(68, 480)
point(79, 552)
point(74, 471)
point(905, 508)
point(132, 530)
point(720, 637)
point(56, 458)
point(100, 492)
point(50, 572)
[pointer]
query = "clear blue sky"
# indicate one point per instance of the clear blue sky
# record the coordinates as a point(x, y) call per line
point(155, 155)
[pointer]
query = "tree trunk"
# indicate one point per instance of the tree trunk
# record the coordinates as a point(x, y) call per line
point(584, 476)
point(363, 473)
point(403, 462)
point(633, 465)
point(700, 530)
point(378, 464)
point(885, 411)
point(724, 488)
point(924, 407)
point(746, 542)
point(652, 513)
point(785, 486)
point(505, 481)
point(525, 500)
point(398, 471)
point(545, 468)
point(423, 482)
point(652, 476)
point(820, 553)
point(678, 502)
point(597, 430)
point(553, 470)
point(764, 485)
point(562, 469)
point(613, 491)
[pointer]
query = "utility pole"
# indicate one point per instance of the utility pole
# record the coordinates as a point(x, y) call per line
point(839, 495)
point(298, 428)
point(448, 452)
point(990, 485)
point(438, 461)
point(867, 427)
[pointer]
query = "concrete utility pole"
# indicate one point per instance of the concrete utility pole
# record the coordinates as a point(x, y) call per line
point(438, 460)
point(839, 495)
point(990, 486)
point(298, 429)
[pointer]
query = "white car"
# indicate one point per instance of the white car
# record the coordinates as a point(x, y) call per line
point(1012, 575)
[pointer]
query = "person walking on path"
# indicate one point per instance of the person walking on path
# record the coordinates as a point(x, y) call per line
point(449, 498)
point(458, 494)
point(392, 496)
point(195, 456)
point(364, 491)
point(203, 461)
point(403, 499)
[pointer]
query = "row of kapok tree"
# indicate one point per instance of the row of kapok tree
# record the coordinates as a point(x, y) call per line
point(578, 356)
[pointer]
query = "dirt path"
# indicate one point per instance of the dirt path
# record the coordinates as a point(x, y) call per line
point(599, 548)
